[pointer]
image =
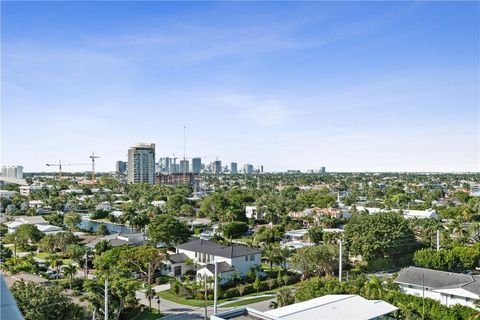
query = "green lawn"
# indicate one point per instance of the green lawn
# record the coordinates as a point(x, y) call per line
point(188, 302)
point(137, 314)
point(45, 255)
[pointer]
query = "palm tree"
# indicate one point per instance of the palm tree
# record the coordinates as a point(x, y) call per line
point(285, 297)
point(271, 253)
point(150, 294)
point(69, 271)
point(55, 262)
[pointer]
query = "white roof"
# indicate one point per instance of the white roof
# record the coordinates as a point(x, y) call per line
point(116, 213)
point(341, 307)
point(13, 224)
point(420, 213)
point(48, 228)
point(296, 233)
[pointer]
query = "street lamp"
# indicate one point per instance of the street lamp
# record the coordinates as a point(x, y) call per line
point(158, 302)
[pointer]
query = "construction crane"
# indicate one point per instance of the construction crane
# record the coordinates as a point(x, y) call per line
point(93, 157)
point(60, 165)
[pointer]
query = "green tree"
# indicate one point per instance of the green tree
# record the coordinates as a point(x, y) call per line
point(165, 228)
point(24, 235)
point(271, 253)
point(315, 260)
point(102, 230)
point(40, 302)
point(5, 253)
point(102, 246)
point(285, 297)
point(55, 261)
point(256, 283)
point(234, 229)
point(379, 235)
point(69, 271)
point(72, 220)
point(315, 234)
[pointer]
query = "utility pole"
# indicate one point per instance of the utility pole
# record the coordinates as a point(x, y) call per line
point(438, 240)
point(215, 290)
point(206, 296)
point(340, 261)
point(423, 296)
point(106, 298)
point(86, 264)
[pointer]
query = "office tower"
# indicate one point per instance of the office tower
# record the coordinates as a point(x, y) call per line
point(19, 174)
point(165, 164)
point(196, 165)
point(322, 170)
point(121, 166)
point(184, 166)
point(4, 171)
point(261, 169)
point(248, 169)
point(233, 168)
point(141, 163)
point(217, 167)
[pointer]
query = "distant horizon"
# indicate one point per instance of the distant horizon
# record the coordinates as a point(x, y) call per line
point(352, 86)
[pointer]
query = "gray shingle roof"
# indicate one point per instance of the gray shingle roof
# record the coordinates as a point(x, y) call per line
point(439, 279)
point(177, 258)
point(209, 247)
point(221, 267)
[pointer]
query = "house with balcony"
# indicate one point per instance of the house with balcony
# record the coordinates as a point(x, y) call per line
point(201, 255)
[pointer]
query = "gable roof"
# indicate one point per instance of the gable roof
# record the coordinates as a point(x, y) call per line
point(209, 247)
point(439, 280)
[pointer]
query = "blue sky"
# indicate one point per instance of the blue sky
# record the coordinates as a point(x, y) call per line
point(352, 86)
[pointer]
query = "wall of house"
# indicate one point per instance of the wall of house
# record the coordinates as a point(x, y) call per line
point(244, 266)
point(224, 277)
point(448, 300)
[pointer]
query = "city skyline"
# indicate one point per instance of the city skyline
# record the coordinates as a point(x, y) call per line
point(348, 86)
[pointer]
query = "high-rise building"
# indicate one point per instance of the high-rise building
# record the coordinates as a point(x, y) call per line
point(248, 169)
point(141, 163)
point(165, 164)
point(322, 170)
point(196, 165)
point(184, 166)
point(233, 168)
point(121, 166)
point(13, 172)
point(217, 167)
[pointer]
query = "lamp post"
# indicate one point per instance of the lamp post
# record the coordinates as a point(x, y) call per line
point(158, 303)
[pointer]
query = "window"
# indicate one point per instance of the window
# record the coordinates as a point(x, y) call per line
point(246, 258)
point(252, 257)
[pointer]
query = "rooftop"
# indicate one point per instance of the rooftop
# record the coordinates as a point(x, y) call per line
point(341, 306)
point(439, 279)
point(209, 247)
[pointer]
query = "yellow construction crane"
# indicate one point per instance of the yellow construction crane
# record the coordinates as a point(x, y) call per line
point(93, 157)
point(60, 164)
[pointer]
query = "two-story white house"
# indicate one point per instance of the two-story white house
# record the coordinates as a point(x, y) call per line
point(447, 287)
point(203, 254)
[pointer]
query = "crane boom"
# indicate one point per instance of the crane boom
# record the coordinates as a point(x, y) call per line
point(93, 157)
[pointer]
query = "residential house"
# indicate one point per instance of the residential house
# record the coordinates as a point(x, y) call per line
point(447, 287)
point(420, 214)
point(334, 306)
point(232, 258)
point(38, 221)
point(252, 212)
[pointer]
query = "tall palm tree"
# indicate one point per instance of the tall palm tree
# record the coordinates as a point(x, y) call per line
point(55, 262)
point(69, 271)
point(271, 253)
